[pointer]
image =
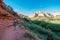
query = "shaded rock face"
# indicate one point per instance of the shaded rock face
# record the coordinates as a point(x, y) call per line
point(6, 9)
point(6, 18)
point(7, 29)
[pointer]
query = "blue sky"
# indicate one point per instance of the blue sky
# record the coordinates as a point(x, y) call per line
point(28, 7)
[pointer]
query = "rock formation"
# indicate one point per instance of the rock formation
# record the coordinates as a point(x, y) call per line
point(7, 29)
point(42, 14)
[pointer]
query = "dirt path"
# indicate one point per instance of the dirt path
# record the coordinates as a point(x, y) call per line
point(12, 34)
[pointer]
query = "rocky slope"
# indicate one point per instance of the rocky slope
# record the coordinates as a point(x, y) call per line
point(7, 30)
point(6, 17)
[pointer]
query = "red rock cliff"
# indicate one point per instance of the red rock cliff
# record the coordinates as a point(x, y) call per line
point(7, 17)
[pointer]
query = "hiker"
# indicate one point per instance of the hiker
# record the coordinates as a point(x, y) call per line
point(15, 23)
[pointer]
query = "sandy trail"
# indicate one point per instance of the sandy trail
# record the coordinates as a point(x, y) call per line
point(12, 34)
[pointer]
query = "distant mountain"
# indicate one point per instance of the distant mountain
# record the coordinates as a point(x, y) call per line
point(42, 14)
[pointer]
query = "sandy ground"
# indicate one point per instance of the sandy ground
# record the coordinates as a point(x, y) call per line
point(13, 34)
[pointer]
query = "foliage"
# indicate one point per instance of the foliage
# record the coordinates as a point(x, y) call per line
point(9, 7)
point(53, 27)
point(41, 28)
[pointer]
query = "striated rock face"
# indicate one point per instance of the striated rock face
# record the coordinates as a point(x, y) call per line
point(7, 30)
point(6, 17)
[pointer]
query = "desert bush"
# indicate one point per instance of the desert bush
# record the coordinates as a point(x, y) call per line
point(42, 28)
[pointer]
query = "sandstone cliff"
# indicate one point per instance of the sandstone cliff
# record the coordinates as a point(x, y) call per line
point(7, 29)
